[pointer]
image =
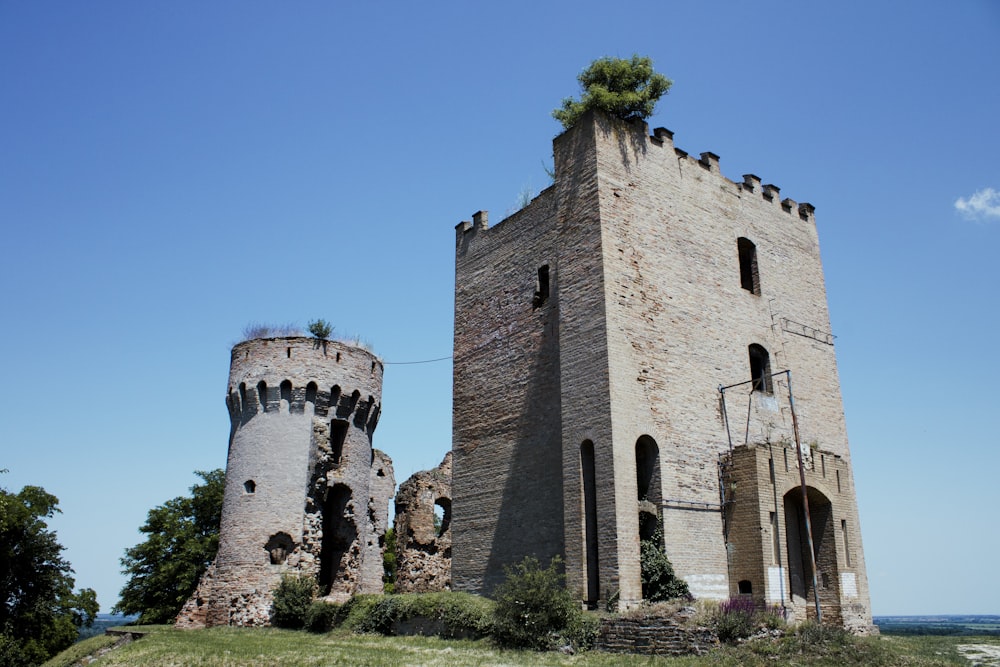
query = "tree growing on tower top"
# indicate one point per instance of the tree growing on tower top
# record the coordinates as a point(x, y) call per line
point(626, 89)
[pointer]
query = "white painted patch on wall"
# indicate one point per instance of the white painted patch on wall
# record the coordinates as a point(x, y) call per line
point(708, 586)
point(777, 589)
point(848, 585)
point(766, 402)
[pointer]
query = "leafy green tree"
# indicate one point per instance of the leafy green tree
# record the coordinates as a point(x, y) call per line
point(320, 329)
point(183, 536)
point(389, 561)
point(623, 88)
point(40, 614)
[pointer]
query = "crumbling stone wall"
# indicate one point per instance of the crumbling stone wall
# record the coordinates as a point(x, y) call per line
point(652, 634)
point(305, 491)
point(423, 550)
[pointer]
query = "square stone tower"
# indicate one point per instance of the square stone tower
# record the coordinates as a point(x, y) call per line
point(595, 330)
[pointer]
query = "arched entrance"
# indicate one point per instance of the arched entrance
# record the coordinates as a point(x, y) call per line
point(800, 573)
point(339, 535)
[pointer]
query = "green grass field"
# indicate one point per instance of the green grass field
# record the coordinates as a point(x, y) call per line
point(231, 647)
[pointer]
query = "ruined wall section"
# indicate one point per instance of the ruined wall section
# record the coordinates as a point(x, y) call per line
point(423, 550)
point(506, 493)
point(302, 412)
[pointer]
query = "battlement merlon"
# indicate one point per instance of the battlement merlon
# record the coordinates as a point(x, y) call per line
point(480, 220)
point(663, 138)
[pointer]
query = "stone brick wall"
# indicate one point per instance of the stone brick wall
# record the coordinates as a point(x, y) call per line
point(653, 635)
point(507, 498)
point(300, 464)
point(649, 311)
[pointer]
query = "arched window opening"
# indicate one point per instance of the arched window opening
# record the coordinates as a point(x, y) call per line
point(262, 395)
point(442, 515)
point(334, 396)
point(311, 389)
point(250, 486)
point(589, 482)
point(760, 369)
point(541, 286)
point(243, 398)
point(286, 394)
point(647, 469)
point(338, 434)
point(749, 277)
point(745, 587)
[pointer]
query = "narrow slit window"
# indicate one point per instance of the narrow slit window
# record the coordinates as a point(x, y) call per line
point(760, 369)
point(775, 544)
point(847, 542)
point(749, 277)
point(541, 286)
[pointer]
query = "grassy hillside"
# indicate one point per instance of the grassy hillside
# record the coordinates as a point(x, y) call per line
point(266, 647)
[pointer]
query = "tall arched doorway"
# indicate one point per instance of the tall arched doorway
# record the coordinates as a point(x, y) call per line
point(800, 573)
point(588, 475)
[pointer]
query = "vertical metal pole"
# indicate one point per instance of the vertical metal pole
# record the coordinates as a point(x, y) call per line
point(725, 416)
point(805, 499)
point(746, 434)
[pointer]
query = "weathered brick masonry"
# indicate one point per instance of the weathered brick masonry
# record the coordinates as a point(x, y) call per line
point(423, 549)
point(305, 492)
point(593, 330)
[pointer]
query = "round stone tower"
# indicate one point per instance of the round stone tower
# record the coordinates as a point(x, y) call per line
point(305, 492)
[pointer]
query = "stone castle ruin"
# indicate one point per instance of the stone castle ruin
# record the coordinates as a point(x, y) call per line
point(305, 491)
point(624, 356)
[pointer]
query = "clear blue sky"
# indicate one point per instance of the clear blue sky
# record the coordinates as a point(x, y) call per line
point(172, 171)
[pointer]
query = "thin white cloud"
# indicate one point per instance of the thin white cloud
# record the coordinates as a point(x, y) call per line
point(983, 204)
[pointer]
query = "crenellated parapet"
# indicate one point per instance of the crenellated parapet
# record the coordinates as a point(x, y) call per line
point(298, 375)
point(751, 185)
